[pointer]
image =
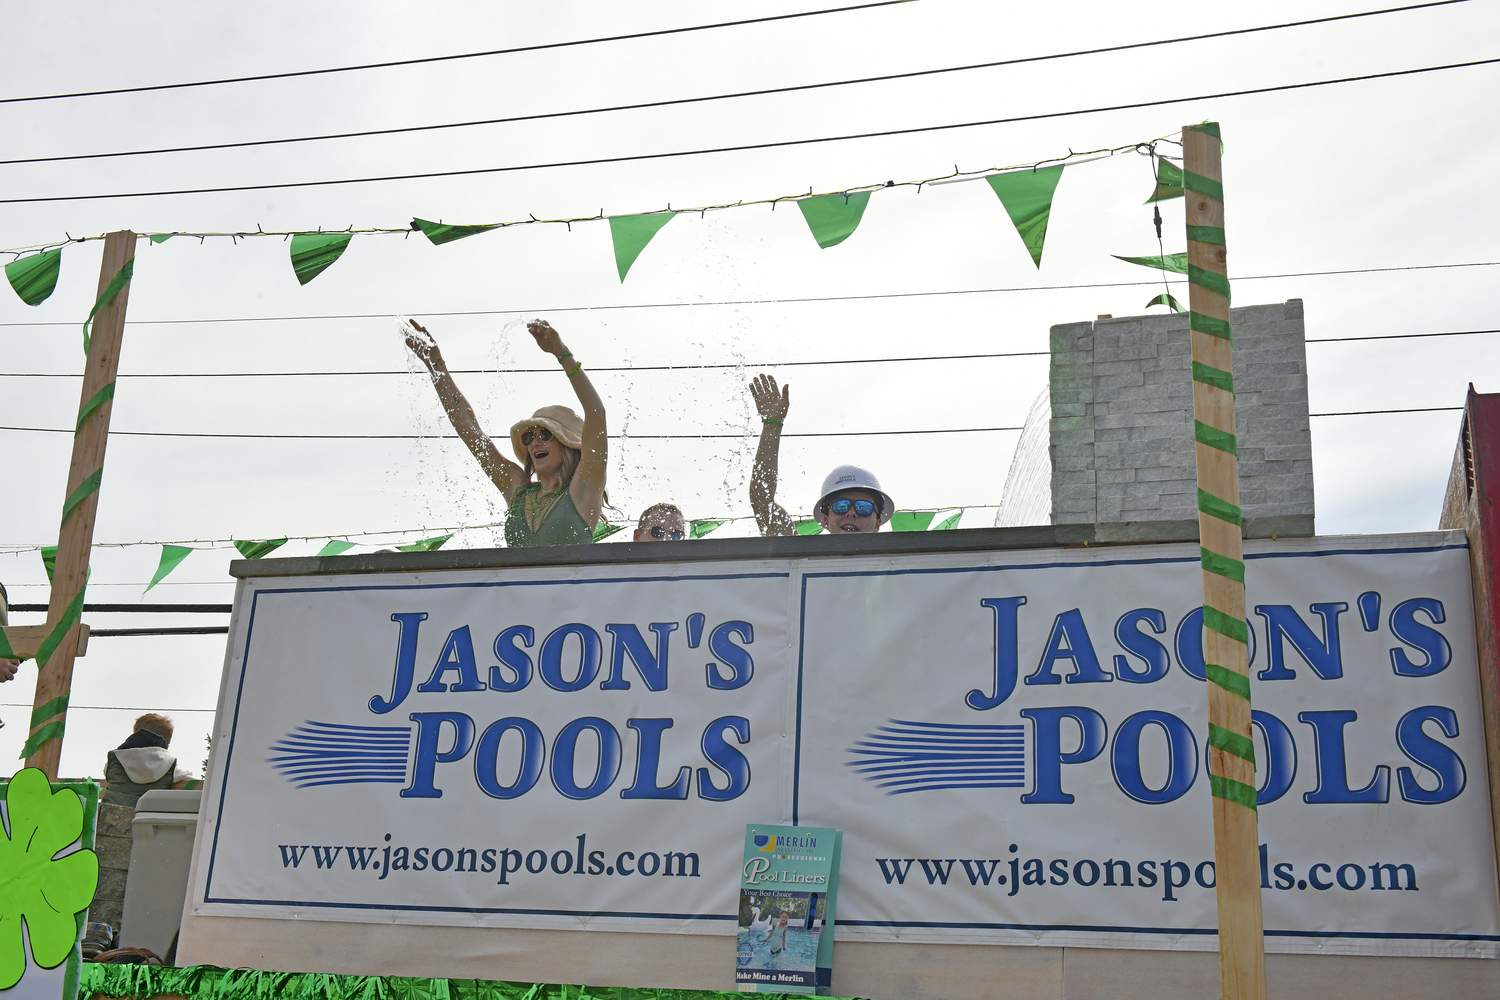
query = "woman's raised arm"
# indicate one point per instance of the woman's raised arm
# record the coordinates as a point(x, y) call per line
point(505, 474)
point(772, 405)
point(587, 488)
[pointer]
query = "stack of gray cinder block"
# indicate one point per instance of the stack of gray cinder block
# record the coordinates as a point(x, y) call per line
point(112, 843)
point(1122, 444)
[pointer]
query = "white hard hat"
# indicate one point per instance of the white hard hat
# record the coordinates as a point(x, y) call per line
point(852, 477)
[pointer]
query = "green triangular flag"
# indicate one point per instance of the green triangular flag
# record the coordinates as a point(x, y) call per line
point(171, 555)
point(1168, 181)
point(254, 550)
point(425, 545)
point(1171, 262)
point(807, 527)
point(700, 528)
point(313, 252)
point(437, 233)
point(912, 520)
point(948, 523)
point(604, 529)
point(335, 547)
point(34, 277)
point(631, 233)
point(1165, 299)
point(49, 560)
point(833, 217)
point(162, 238)
point(1027, 197)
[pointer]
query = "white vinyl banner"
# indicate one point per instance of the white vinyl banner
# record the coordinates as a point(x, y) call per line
point(1012, 742)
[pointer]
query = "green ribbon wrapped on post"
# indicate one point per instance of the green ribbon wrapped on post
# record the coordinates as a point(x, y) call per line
point(119, 281)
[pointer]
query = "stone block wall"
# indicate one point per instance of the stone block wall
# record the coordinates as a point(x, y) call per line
point(1122, 422)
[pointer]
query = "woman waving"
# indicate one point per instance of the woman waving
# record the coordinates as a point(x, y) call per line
point(565, 454)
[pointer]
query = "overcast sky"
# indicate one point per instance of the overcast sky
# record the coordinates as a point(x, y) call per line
point(1380, 174)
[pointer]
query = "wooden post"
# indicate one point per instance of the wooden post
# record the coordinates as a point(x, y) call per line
point(76, 535)
point(1242, 971)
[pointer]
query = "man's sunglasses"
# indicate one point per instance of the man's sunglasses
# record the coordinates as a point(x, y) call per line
point(658, 532)
point(862, 508)
point(530, 436)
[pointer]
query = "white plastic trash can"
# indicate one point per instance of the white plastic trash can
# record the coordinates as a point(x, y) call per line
point(162, 850)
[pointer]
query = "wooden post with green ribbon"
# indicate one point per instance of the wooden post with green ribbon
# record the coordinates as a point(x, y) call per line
point(75, 538)
point(1231, 755)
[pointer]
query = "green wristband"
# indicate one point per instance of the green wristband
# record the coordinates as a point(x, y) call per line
point(565, 354)
point(576, 369)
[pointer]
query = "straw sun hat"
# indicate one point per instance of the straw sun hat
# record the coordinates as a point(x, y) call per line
point(565, 425)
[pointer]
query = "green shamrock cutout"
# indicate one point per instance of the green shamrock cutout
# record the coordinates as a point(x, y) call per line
point(46, 892)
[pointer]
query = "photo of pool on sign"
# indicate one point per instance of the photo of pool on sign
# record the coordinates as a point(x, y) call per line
point(777, 943)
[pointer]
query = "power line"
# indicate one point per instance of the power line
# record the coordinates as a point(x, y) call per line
point(454, 437)
point(1366, 413)
point(677, 368)
point(111, 708)
point(450, 58)
point(719, 97)
point(872, 297)
point(628, 437)
point(1397, 336)
point(141, 609)
point(553, 371)
point(786, 143)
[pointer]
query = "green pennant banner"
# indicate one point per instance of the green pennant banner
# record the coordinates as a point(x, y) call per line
point(425, 545)
point(1171, 262)
point(49, 560)
point(34, 277)
point(833, 218)
point(1166, 299)
point(912, 520)
point(335, 547)
point(631, 233)
point(254, 550)
point(948, 523)
point(604, 529)
point(171, 557)
point(162, 237)
point(312, 253)
point(1168, 181)
point(437, 232)
point(807, 527)
point(700, 528)
point(1027, 197)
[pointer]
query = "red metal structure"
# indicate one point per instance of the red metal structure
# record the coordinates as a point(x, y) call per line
point(1473, 493)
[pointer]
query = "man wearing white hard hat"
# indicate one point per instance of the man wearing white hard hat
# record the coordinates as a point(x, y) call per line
point(851, 500)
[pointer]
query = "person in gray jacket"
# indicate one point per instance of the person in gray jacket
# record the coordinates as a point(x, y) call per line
point(8, 666)
point(142, 763)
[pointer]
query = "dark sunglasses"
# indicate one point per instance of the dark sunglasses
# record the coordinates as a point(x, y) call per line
point(862, 508)
point(529, 436)
point(657, 531)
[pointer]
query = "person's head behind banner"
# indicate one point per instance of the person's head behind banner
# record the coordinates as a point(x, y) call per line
point(549, 441)
point(852, 501)
point(661, 522)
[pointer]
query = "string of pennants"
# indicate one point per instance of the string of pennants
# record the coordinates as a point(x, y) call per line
point(1025, 193)
point(172, 555)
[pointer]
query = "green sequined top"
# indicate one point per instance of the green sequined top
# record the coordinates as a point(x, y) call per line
point(563, 525)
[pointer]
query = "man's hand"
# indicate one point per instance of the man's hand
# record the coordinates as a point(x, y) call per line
point(770, 402)
point(8, 669)
point(422, 344)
